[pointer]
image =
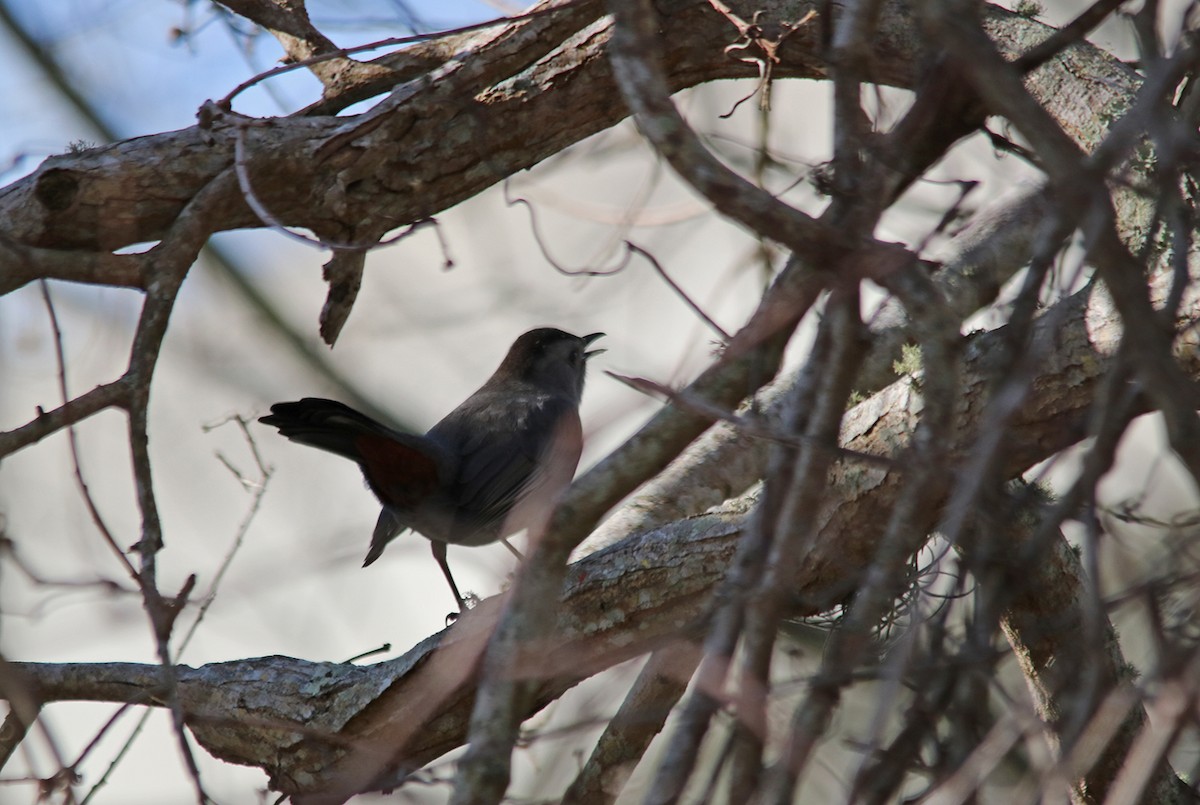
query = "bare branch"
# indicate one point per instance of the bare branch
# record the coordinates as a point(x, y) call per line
point(78, 409)
point(288, 21)
point(659, 686)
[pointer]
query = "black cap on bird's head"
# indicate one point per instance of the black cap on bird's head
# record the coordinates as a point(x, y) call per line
point(551, 359)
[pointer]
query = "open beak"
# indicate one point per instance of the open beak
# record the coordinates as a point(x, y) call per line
point(587, 342)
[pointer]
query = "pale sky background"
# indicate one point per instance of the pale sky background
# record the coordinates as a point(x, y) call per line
point(419, 341)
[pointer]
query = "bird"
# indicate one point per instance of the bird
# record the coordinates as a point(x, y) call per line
point(493, 466)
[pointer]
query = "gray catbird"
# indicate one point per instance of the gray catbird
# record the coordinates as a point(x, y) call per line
point(495, 464)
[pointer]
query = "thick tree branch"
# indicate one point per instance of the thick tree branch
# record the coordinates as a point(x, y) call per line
point(110, 197)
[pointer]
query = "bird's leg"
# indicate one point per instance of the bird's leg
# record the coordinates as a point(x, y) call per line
point(439, 553)
point(515, 552)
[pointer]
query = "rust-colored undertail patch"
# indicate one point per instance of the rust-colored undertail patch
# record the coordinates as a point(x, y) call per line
point(401, 476)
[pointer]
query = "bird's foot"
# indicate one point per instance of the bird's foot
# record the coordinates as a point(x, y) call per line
point(469, 601)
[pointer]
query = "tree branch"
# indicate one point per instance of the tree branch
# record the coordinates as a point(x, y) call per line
point(110, 197)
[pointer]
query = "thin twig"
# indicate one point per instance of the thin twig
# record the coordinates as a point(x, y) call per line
point(682, 294)
point(750, 426)
point(73, 442)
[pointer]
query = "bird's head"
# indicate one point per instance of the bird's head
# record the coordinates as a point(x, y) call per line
point(551, 360)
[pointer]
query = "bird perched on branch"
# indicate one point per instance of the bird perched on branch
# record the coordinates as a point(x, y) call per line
point(493, 466)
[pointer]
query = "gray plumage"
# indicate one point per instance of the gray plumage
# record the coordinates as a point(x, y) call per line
point(492, 466)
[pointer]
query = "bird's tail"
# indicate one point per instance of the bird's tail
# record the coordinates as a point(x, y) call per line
point(402, 469)
point(326, 425)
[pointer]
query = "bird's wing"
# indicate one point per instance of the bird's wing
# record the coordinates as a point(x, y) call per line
point(513, 446)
